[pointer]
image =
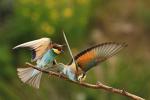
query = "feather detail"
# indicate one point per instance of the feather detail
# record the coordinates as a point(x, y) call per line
point(26, 75)
point(38, 47)
point(96, 54)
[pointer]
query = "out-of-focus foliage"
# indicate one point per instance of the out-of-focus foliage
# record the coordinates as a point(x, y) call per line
point(86, 22)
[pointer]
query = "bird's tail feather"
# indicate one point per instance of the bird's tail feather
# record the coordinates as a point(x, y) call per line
point(26, 75)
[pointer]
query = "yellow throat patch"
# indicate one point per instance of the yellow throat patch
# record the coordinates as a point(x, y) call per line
point(56, 51)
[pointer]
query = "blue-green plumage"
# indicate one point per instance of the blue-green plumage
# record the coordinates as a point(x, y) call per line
point(47, 58)
point(69, 73)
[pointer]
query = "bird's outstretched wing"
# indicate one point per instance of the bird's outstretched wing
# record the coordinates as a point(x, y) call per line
point(38, 47)
point(96, 54)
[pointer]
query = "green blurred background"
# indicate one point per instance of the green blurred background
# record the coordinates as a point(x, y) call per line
point(85, 22)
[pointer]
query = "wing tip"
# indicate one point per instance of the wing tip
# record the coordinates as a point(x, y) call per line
point(124, 44)
point(18, 46)
point(14, 47)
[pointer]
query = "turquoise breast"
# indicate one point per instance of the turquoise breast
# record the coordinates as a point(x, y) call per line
point(47, 58)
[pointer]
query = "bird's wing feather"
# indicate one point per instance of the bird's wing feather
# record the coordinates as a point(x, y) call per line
point(38, 47)
point(96, 54)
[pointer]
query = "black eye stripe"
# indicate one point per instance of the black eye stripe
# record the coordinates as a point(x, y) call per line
point(57, 48)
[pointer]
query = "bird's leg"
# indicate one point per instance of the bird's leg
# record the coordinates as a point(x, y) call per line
point(83, 75)
point(54, 62)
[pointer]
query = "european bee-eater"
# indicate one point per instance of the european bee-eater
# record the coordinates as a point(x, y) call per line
point(43, 52)
point(89, 58)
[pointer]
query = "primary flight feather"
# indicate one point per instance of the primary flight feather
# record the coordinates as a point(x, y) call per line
point(38, 47)
point(96, 54)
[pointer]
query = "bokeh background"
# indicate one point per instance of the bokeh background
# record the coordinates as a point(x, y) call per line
point(85, 22)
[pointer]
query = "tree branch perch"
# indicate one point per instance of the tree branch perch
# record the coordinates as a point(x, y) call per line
point(87, 85)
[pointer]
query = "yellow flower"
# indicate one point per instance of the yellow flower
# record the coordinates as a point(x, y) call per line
point(45, 27)
point(68, 12)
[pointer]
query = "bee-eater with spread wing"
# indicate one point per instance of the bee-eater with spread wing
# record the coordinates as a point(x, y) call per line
point(88, 59)
point(84, 61)
point(44, 52)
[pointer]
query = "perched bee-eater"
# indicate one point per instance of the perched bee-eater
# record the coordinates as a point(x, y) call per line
point(89, 58)
point(44, 52)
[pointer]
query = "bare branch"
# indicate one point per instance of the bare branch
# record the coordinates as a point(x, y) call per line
point(87, 85)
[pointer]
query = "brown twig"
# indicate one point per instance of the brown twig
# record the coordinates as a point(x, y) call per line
point(94, 86)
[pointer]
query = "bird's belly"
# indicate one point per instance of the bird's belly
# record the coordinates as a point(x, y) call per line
point(47, 58)
point(45, 61)
point(69, 73)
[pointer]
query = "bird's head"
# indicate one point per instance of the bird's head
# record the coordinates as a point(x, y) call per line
point(58, 49)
